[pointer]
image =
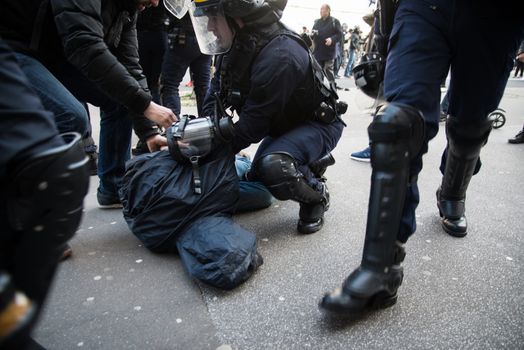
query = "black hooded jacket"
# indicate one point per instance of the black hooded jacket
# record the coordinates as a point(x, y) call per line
point(98, 37)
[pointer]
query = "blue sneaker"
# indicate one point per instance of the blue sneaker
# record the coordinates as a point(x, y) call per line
point(362, 156)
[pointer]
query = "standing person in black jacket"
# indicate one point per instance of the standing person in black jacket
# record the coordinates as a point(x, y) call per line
point(326, 32)
point(88, 49)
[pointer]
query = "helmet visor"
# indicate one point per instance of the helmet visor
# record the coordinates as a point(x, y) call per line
point(212, 30)
point(178, 8)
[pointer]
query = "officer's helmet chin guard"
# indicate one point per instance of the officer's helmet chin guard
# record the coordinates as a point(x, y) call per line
point(212, 30)
point(369, 73)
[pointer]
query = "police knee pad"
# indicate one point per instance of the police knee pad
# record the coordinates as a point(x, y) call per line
point(466, 138)
point(48, 191)
point(279, 173)
point(396, 127)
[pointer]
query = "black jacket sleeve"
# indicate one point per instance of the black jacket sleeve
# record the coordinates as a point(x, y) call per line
point(338, 33)
point(115, 70)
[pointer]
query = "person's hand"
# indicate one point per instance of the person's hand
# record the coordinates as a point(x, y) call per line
point(328, 42)
point(520, 57)
point(156, 142)
point(160, 115)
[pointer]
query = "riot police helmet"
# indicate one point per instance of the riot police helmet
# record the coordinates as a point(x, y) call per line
point(213, 20)
point(369, 73)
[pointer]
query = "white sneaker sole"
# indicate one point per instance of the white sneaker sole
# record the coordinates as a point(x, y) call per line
point(365, 160)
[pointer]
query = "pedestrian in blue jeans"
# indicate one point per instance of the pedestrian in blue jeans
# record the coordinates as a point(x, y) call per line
point(75, 51)
point(354, 43)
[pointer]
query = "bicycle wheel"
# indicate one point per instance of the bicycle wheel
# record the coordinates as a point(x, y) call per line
point(498, 118)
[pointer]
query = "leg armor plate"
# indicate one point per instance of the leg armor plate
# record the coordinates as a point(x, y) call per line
point(396, 135)
point(279, 173)
point(464, 144)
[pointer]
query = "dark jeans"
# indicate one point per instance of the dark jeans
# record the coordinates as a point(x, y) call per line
point(336, 64)
point(70, 114)
point(424, 44)
point(328, 66)
point(351, 61)
point(253, 194)
point(178, 58)
point(60, 88)
point(152, 46)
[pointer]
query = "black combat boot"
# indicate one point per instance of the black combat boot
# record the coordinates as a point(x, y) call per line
point(279, 173)
point(453, 215)
point(311, 215)
point(396, 134)
point(367, 289)
point(464, 144)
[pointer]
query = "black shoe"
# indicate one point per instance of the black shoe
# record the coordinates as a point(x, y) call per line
point(371, 291)
point(93, 163)
point(312, 215)
point(108, 201)
point(453, 216)
point(519, 138)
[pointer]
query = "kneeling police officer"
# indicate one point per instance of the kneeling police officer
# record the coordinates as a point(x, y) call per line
point(266, 74)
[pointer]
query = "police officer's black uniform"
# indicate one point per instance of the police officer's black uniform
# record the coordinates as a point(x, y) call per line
point(43, 179)
point(476, 39)
point(271, 80)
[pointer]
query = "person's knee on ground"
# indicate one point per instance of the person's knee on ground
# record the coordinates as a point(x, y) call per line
point(279, 173)
point(397, 136)
point(464, 143)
